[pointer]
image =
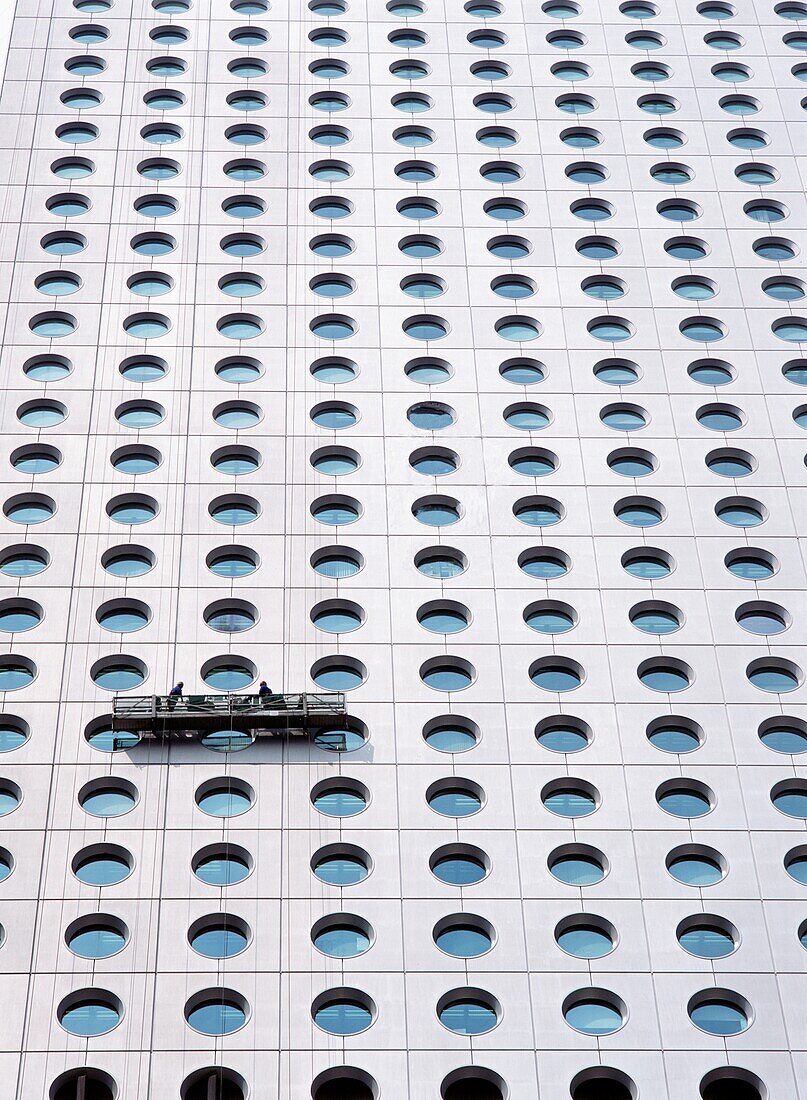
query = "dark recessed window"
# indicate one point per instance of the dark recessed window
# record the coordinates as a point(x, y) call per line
point(459, 865)
point(577, 865)
point(341, 865)
point(102, 865)
point(222, 864)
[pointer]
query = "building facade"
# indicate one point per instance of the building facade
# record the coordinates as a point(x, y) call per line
point(448, 355)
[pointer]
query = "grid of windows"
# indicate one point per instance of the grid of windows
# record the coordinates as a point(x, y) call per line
point(293, 292)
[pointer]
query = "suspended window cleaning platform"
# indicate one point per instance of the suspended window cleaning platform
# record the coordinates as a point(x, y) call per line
point(190, 716)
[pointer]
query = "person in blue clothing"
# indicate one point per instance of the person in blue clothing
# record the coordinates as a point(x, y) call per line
point(175, 693)
point(264, 693)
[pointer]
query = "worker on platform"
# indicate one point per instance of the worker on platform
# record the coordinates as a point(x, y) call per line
point(264, 693)
point(175, 693)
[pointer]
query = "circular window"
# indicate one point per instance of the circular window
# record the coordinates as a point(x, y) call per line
point(225, 797)
point(343, 1011)
point(234, 509)
point(29, 508)
point(774, 674)
point(335, 461)
point(341, 865)
point(14, 732)
point(340, 797)
point(123, 616)
point(544, 563)
point(731, 462)
point(344, 1082)
point(685, 798)
point(41, 414)
point(585, 936)
point(757, 175)
point(707, 937)
point(603, 288)
point(759, 617)
point(89, 1012)
point(556, 674)
point(139, 414)
point(533, 461)
point(594, 1011)
point(342, 936)
point(570, 797)
point(577, 865)
point(349, 737)
point(215, 1081)
point(610, 328)
point(10, 797)
point(56, 283)
point(617, 372)
point(538, 511)
point(102, 865)
point(335, 509)
point(434, 461)
point(334, 370)
point(451, 734)
point(563, 733)
point(222, 864)
point(135, 460)
point(732, 1084)
point(459, 864)
point(597, 248)
point(118, 673)
point(571, 71)
point(696, 865)
point(665, 674)
point(440, 562)
point(602, 1083)
point(216, 1012)
point(464, 935)
point(128, 561)
point(23, 560)
point(338, 673)
point(431, 415)
point(447, 673)
point(97, 937)
point(47, 368)
point(740, 512)
point(674, 734)
point(656, 617)
point(19, 615)
point(230, 616)
point(108, 797)
point(100, 735)
point(337, 562)
point(443, 617)
point(236, 461)
point(550, 617)
point(219, 936)
point(527, 416)
point(509, 247)
point(437, 511)
point(784, 735)
point(720, 1012)
point(751, 563)
point(337, 616)
point(653, 72)
point(468, 1011)
point(632, 462)
point(497, 137)
point(455, 797)
point(790, 797)
point(694, 288)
